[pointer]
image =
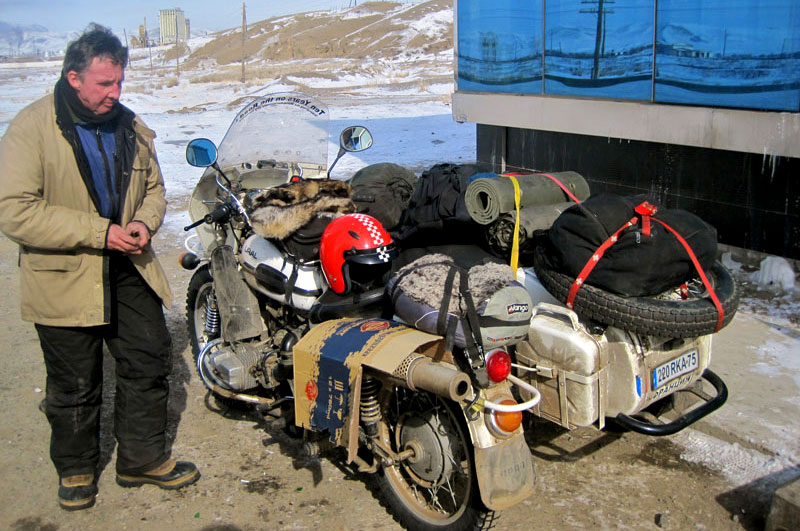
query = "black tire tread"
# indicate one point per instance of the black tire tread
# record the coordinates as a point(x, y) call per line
point(198, 280)
point(645, 315)
point(485, 519)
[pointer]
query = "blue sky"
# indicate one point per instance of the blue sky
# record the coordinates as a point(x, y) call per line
point(75, 15)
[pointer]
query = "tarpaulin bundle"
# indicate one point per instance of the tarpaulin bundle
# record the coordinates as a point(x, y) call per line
point(488, 198)
point(436, 213)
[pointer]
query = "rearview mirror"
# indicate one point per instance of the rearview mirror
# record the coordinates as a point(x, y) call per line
point(355, 138)
point(201, 153)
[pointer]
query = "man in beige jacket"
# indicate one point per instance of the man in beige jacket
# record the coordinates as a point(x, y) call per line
point(81, 192)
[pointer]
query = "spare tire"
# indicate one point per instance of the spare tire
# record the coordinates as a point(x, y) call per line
point(661, 317)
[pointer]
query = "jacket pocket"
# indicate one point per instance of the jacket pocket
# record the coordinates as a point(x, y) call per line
point(51, 261)
point(141, 162)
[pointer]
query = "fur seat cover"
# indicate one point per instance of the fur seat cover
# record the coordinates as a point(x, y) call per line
point(503, 305)
point(280, 211)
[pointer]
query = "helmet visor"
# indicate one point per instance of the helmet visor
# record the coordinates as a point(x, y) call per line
point(379, 255)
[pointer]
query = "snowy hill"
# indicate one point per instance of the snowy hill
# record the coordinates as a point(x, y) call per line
point(411, 46)
point(32, 41)
point(385, 29)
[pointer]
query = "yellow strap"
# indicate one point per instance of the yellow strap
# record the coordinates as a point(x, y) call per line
point(515, 243)
point(478, 405)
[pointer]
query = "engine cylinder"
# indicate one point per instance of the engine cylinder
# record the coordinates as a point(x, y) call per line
point(234, 367)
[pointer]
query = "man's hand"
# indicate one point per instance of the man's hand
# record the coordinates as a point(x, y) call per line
point(138, 230)
point(129, 240)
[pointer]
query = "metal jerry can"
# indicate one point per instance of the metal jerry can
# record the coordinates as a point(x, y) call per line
point(585, 377)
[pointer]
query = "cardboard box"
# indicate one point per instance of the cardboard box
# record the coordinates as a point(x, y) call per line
point(328, 364)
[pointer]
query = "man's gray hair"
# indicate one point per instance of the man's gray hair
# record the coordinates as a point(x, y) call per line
point(96, 41)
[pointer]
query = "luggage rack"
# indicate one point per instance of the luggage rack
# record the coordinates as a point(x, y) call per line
point(649, 424)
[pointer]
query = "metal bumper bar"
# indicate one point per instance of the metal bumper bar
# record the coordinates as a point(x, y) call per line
point(650, 428)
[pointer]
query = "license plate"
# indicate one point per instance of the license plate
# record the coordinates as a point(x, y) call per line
point(685, 363)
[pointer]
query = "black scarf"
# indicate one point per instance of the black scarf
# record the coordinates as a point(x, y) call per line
point(70, 110)
point(65, 93)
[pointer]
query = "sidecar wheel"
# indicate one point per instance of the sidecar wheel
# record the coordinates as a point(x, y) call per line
point(438, 489)
point(200, 310)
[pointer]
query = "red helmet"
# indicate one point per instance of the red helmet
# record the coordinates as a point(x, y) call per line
point(355, 250)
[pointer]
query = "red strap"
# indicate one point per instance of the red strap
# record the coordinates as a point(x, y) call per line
point(561, 185)
point(613, 239)
point(593, 261)
point(646, 210)
point(706, 283)
point(555, 180)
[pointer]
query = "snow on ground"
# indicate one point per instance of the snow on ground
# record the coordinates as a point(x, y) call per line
point(415, 128)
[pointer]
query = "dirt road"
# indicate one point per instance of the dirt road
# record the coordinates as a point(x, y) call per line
point(256, 477)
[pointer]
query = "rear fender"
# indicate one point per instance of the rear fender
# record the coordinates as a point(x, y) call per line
point(504, 467)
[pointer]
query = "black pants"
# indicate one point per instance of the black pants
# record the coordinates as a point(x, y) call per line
point(138, 339)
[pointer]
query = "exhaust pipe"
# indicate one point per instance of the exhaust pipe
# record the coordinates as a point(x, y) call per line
point(437, 378)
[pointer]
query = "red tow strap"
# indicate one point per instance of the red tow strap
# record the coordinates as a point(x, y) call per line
point(703, 277)
point(646, 210)
point(596, 256)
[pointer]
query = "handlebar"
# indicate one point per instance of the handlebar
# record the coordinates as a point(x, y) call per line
point(218, 214)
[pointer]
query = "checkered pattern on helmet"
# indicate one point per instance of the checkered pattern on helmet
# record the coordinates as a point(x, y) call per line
point(383, 254)
point(374, 230)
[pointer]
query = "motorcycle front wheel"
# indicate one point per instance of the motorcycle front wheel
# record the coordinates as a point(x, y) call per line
point(201, 310)
point(437, 488)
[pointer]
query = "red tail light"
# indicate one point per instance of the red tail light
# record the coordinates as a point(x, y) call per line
point(498, 365)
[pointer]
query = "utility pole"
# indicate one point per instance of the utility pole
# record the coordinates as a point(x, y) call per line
point(244, 36)
point(600, 32)
point(127, 45)
point(725, 42)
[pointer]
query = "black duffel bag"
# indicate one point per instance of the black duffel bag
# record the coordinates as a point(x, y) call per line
point(635, 264)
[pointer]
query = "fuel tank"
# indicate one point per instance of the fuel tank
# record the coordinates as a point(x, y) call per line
point(280, 276)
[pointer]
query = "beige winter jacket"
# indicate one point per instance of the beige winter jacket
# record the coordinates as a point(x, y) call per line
point(45, 207)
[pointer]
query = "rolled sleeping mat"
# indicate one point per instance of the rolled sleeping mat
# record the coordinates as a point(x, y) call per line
point(500, 234)
point(487, 198)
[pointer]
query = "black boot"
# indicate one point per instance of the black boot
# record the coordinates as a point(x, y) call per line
point(77, 492)
point(171, 475)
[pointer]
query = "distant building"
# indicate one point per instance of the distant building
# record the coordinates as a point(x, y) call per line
point(143, 40)
point(173, 25)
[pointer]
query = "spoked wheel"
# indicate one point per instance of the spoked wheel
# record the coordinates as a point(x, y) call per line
point(201, 310)
point(436, 488)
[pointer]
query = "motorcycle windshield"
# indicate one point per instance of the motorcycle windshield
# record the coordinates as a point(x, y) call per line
point(285, 127)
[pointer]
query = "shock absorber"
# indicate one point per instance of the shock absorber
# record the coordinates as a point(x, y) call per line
point(212, 315)
point(370, 409)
